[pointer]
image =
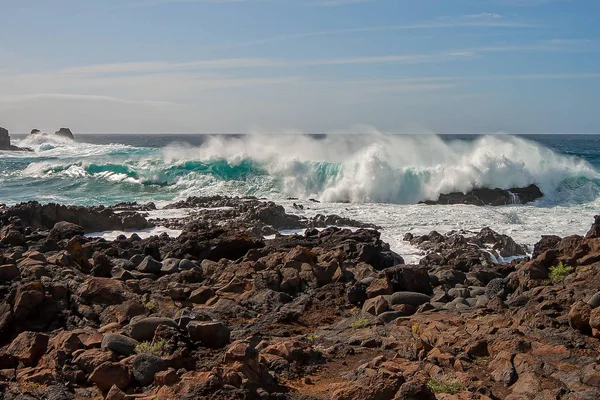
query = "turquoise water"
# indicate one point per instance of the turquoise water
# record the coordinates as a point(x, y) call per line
point(107, 169)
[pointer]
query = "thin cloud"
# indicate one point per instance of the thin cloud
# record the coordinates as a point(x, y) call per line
point(246, 63)
point(431, 25)
point(485, 15)
point(73, 96)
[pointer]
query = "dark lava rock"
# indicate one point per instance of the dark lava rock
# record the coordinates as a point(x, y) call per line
point(5, 142)
point(490, 197)
point(65, 230)
point(410, 298)
point(91, 219)
point(120, 344)
point(143, 329)
point(145, 366)
point(409, 278)
point(64, 132)
point(211, 334)
point(149, 265)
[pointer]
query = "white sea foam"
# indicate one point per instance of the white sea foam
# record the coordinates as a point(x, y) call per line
point(394, 168)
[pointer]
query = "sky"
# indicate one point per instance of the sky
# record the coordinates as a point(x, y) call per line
point(225, 66)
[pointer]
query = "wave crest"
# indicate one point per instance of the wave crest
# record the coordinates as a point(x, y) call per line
point(376, 168)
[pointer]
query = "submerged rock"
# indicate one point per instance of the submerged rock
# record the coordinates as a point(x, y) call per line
point(490, 197)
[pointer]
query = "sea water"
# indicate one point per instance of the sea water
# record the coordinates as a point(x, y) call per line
point(373, 177)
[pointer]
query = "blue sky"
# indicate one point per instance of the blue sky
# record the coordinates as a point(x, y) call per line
point(444, 66)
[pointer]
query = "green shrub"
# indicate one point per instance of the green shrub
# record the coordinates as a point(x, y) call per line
point(151, 306)
point(445, 386)
point(157, 349)
point(559, 272)
point(360, 323)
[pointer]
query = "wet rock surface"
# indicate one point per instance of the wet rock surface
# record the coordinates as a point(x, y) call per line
point(219, 312)
point(5, 144)
point(491, 197)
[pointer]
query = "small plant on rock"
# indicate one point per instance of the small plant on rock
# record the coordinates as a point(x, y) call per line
point(32, 388)
point(311, 338)
point(445, 386)
point(559, 272)
point(360, 323)
point(154, 348)
point(150, 306)
point(415, 329)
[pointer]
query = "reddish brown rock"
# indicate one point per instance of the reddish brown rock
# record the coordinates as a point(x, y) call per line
point(579, 317)
point(376, 305)
point(379, 287)
point(28, 298)
point(91, 359)
point(102, 291)
point(111, 373)
point(595, 321)
point(166, 378)
point(201, 295)
point(28, 347)
point(211, 334)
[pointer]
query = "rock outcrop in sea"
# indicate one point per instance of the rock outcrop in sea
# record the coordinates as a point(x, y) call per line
point(62, 132)
point(490, 197)
point(220, 312)
point(5, 142)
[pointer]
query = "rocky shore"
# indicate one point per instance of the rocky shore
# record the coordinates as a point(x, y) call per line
point(5, 142)
point(222, 312)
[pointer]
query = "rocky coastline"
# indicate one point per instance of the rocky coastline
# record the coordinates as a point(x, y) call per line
point(232, 309)
point(5, 142)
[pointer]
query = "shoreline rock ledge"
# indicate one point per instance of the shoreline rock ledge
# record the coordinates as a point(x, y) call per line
point(490, 197)
point(5, 142)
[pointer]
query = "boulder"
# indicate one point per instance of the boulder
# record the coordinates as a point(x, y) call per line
point(594, 301)
point(149, 265)
point(490, 197)
point(111, 373)
point(145, 366)
point(411, 298)
point(170, 266)
point(65, 230)
point(201, 295)
point(120, 344)
point(103, 291)
point(376, 305)
point(64, 132)
point(5, 142)
point(28, 347)
point(409, 278)
point(212, 334)
point(143, 329)
point(579, 317)
point(91, 359)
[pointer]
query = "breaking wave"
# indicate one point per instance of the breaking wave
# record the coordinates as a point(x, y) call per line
point(373, 168)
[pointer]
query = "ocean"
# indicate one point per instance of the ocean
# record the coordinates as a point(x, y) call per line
point(370, 177)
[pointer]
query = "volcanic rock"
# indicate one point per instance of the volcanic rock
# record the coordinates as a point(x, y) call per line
point(490, 197)
point(64, 132)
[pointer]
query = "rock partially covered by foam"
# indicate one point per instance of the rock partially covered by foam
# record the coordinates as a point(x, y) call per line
point(5, 142)
point(490, 197)
point(64, 132)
